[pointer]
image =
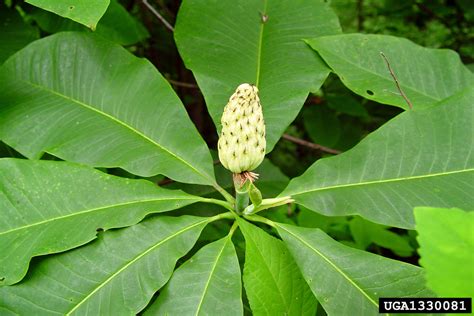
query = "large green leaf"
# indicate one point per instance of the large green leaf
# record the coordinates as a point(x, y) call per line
point(14, 33)
point(272, 281)
point(48, 206)
point(446, 238)
point(425, 75)
point(420, 158)
point(347, 281)
point(115, 275)
point(88, 100)
point(207, 284)
point(117, 25)
point(87, 12)
point(259, 42)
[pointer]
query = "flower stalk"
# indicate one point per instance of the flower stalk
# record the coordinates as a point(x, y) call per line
point(241, 193)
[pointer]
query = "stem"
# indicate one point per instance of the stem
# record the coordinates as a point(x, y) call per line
point(158, 16)
point(233, 228)
point(260, 219)
point(226, 215)
point(242, 187)
point(268, 203)
point(224, 204)
point(229, 198)
point(410, 105)
point(182, 84)
point(311, 145)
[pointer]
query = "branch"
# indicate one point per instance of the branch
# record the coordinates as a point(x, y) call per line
point(360, 15)
point(165, 8)
point(182, 84)
point(303, 142)
point(396, 81)
point(165, 181)
point(158, 15)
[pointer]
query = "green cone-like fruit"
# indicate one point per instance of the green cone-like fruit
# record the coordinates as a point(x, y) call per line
point(242, 140)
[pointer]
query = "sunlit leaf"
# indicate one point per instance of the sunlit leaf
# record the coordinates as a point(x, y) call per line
point(87, 100)
point(115, 275)
point(258, 42)
point(446, 238)
point(48, 206)
point(207, 284)
point(425, 75)
point(87, 12)
point(346, 280)
point(273, 282)
point(420, 158)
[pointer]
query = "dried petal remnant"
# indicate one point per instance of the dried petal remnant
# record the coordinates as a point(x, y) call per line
point(242, 140)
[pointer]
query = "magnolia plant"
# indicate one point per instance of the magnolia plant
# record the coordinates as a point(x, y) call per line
point(96, 146)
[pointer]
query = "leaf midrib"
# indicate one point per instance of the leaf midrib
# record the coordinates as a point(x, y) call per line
point(138, 257)
point(137, 132)
point(260, 44)
point(211, 274)
point(282, 296)
point(382, 181)
point(93, 210)
point(332, 264)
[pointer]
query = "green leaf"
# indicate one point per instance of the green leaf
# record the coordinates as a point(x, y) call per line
point(346, 280)
point(258, 42)
point(346, 104)
point(207, 284)
point(115, 275)
point(366, 233)
point(48, 206)
point(272, 281)
point(87, 100)
point(117, 25)
point(322, 125)
point(307, 218)
point(446, 241)
point(86, 12)
point(14, 33)
point(420, 158)
point(425, 75)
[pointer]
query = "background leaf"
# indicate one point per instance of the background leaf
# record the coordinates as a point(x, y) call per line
point(87, 100)
point(86, 12)
point(115, 275)
point(258, 42)
point(420, 158)
point(322, 125)
point(425, 75)
point(14, 33)
point(346, 280)
point(116, 25)
point(207, 284)
point(272, 281)
point(48, 207)
point(345, 103)
point(366, 233)
point(446, 238)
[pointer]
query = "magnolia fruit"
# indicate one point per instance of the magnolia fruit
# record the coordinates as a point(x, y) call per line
point(242, 140)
